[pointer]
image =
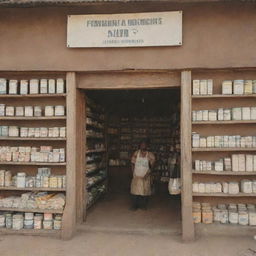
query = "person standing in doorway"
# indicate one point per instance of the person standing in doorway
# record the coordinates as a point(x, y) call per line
point(142, 164)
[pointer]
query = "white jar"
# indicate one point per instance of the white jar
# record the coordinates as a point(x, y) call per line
point(17, 221)
point(21, 180)
point(49, 111)
point(233, 217)
point(243, 218)
point(252, 218)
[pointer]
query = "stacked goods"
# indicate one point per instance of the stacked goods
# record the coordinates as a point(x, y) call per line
point(235, 163)
point(202, 87)
point(34, 200)
point(32, 154)
point(232, 213)
point(27, 220)
point(94, 123)
point(43, 179)
point(97, 146)
point(202, 213)
point(31, 111)
point(223, 141)
point(33, 86)
point(101, 175)
point(221, 114)
point(92, 133)
point(239, 87)
point(95, 193)
point(245, 186)
point(31, 132)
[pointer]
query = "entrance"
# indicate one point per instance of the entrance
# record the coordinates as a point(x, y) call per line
point(117, 120)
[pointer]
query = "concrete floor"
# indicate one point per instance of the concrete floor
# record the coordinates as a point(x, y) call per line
point(113, 214)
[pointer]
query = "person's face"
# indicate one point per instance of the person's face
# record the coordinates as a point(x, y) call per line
point(143, 146)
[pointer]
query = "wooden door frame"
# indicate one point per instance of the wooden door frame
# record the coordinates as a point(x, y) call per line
point(139, 80)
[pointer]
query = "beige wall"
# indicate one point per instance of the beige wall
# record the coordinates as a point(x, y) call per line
point(214, 36)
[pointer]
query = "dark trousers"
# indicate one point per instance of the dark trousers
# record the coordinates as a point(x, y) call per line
point(140, 202)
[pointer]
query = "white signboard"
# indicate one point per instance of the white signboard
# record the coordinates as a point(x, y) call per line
point(125, 30)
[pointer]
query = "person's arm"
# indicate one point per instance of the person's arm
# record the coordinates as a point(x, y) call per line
point(133, 161)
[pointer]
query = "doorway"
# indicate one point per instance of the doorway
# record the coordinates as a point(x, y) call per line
point(117, 120)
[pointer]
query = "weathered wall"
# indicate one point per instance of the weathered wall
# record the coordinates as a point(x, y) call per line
point(216, 35)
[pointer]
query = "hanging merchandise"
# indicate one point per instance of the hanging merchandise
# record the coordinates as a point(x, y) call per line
point(174, 186)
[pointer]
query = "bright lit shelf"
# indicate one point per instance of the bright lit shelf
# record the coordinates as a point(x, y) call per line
point(225, 122)
point(36, 118)
point(224, 96)
point(39, 139)
point(32, 189)
point(223, 173)
point(46, 95)
point(222, 149)
point(10, 209)
point(31, 163)
point(225, 195)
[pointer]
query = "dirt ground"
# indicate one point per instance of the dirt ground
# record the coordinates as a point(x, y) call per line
point(107, 244)
point(112, 229)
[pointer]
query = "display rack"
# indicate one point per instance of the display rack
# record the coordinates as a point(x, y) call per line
point(229, 127)
point(96, 154)
point(30, 168)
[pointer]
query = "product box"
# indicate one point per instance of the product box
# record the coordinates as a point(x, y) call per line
point(212, 115)
point(220, 114)
point(235, 162)
point(248, 87)
point(195, 140)
point(202, 142)
point(34, 86)
point(196, 87)
point(2, 109)
point(209, 86)
point(227, 87)
point(236, 114)
point(51, 86)
point(241, 162)
point(43, 86)
point(9, 111)
point(246, 113)
point(249, 163)
point(29, 111)
point(199, 115)
point(205, 115)
point(60, 85)
point(238, 87)
point(19, 111)
point(226, 114)
point(13, 87)
point(3, 86)
point(253, 113)
point(203, 87)
point(23, 87)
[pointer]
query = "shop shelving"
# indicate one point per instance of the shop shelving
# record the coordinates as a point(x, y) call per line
point(10, 209)
point(222, 149)
point(224, 195)
point(33, 163)
point(32, 189)
point(34, 139)
point(224, 173)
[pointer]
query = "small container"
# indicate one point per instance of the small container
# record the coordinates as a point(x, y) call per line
point(196, 87)
point(238, 87)
point(252, 218)
point(29, 111)
point(24, 132)
point(10, 111)
point(227, 87)
point(60, 85)
point(13, 131)
point(3, 86)
point(248, 87)
point(233, 217)
point(8, 220)
point(37, 111)
point(243, 218)
point(34, 86)
point(2, 220)
point(48, 224)
point(59, 110)
point(8, 179)
point(23, 87)
point(57, 223)
point(13, 87)
point(2, 109)
point(49, 111)
point(51, 86)
point(21, 180)
point(43, 86)
point(17, 221)
point(19, 111)
point(63, 132)
point(38, 219)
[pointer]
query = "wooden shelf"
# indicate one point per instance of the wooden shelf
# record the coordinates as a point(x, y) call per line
point(94, 137)
point(32, 189)
point(223, 173)
point(32, 163)
point(29, 210)
point(224, 122)
point(32, 118)
point(224, 195)
point(32, 232)
point(221, 149)
point(34, 139)
point(95, 151)
point(46, 95)
point(223, 96)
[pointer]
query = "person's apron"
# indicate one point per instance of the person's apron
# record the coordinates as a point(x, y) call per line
point(141, 182)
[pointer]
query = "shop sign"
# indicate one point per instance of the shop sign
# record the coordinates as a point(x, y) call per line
point(125, 30)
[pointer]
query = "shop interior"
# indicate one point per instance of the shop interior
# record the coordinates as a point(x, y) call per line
point(116, 122)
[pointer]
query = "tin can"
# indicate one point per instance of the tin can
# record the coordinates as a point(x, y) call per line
point(17, 221)
point(48, 224)
point(57, 222)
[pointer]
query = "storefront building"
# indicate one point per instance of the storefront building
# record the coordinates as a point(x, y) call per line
point(218, 44)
